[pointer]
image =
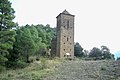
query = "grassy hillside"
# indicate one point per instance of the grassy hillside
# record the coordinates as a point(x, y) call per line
point(58, 69)
point(35, 71)
point(87, 70)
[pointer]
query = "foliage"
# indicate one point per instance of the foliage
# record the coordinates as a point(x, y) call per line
point(95, 52)
point(6, 15)
point(78, 50)
point(6, 33)
point(16, 64)
point(46, 33)
point(27, 42)
point(35, 71)
point(106, 53)
point(31, 40)
point(118, 58)
point(103, 53)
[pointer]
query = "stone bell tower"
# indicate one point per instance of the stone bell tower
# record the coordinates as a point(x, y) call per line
point(65, 35)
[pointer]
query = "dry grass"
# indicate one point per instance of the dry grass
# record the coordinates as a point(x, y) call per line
point(35, 71)
point(58, 69)
point(87, 70)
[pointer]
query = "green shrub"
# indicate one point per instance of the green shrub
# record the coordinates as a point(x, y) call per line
point(15, 65)
point(21, 64)
point(2, 68)
point(10, 75)
point(43, 63)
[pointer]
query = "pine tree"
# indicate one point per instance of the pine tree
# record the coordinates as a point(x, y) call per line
point(6, 15)
point(7, 34)
point(78, 50)
point(27, 42)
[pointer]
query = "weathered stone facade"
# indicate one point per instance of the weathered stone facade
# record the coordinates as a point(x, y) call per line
point(65, 35)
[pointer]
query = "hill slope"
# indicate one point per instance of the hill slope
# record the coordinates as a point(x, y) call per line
point(58, 69)
point(87, 70)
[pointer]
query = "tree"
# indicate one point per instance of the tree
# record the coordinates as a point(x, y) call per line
point(34, 35)
point(103, 53)
point(6, 15)
point(96, 53)
point(6, 33)
point(46, 33)
point(118, 58)
point(86, 52)
point(27, 42)
point(106, 53)
point(78, 50)
point(31, 40)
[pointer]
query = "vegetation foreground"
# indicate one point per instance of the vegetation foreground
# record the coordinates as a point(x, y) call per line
point(58, 69)
point(34, 71)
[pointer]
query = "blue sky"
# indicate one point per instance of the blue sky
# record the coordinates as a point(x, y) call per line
point(117, 54)
point(97, 22)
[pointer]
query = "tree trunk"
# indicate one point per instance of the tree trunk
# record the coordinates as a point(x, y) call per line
point(27, 57)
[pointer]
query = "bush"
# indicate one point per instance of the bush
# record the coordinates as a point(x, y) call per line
point(44, 63)
point(21, 64)
point(15, 65)
point(2, 68)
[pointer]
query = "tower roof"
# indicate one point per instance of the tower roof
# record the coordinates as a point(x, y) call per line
point(65, 12)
